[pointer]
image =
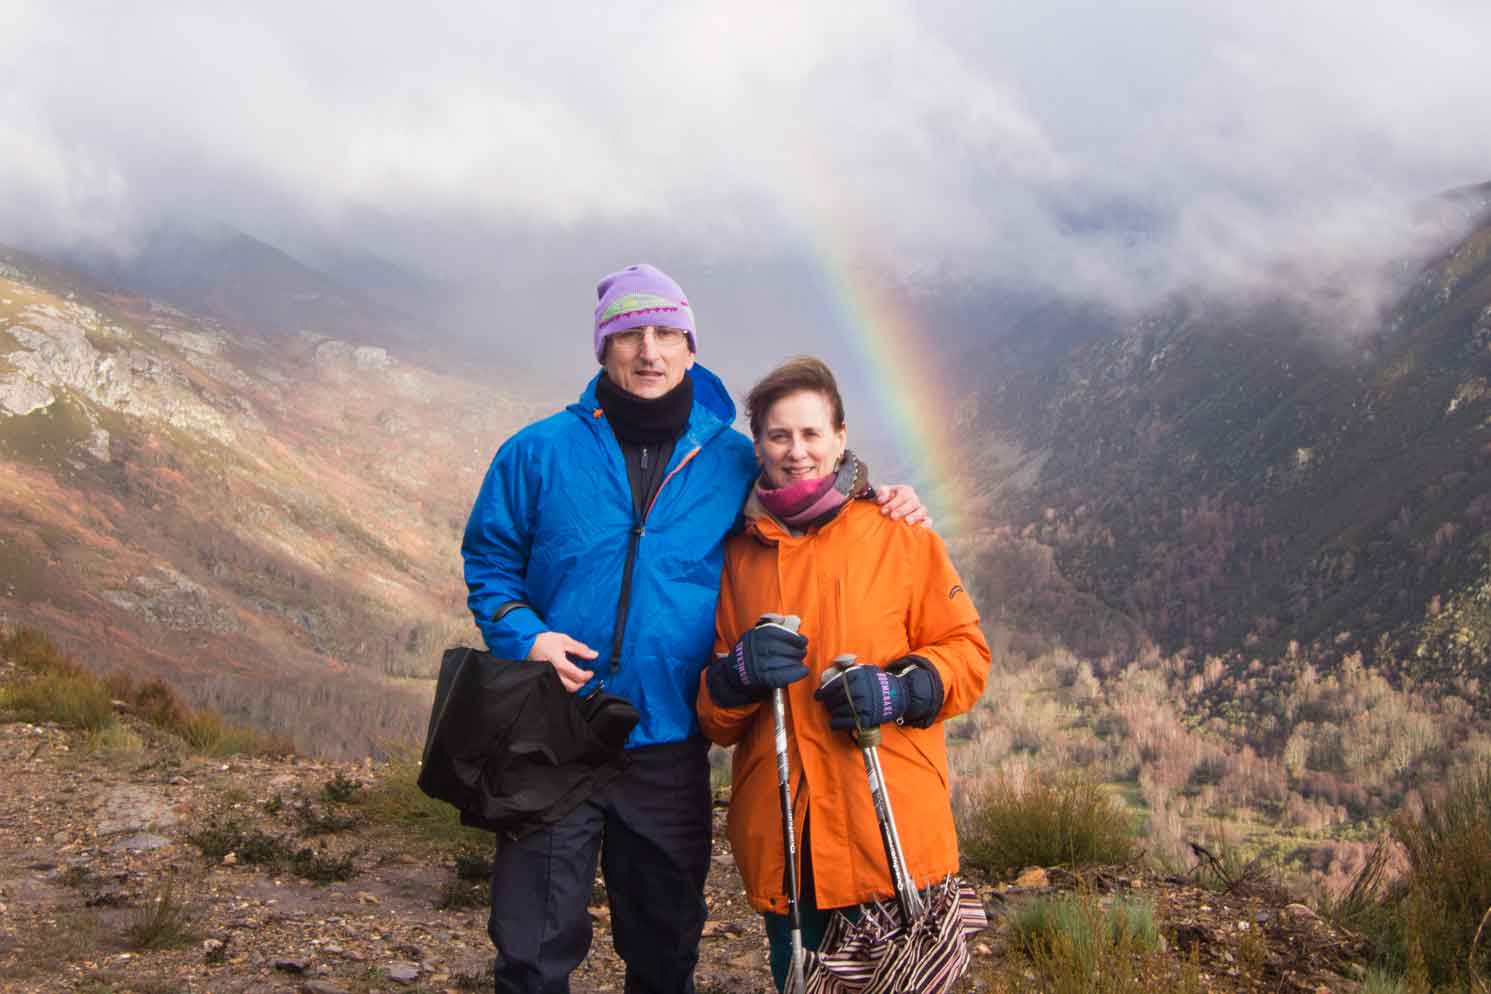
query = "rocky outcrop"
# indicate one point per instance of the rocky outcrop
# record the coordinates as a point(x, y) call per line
point(57, 353)
point(173, 600)
point(20, 395)
point(331, 352)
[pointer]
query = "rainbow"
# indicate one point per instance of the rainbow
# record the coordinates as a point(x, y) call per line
point(887, 335)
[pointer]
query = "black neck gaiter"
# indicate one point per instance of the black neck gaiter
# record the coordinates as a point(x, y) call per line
point(642, 420)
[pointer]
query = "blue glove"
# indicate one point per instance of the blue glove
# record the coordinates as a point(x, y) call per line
point(767, 656)
point(908, 691)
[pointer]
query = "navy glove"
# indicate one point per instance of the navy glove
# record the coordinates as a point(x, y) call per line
point(767, 656)
point(909, 691)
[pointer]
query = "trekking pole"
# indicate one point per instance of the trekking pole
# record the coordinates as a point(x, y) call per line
point(796, 978)
point(868, 740)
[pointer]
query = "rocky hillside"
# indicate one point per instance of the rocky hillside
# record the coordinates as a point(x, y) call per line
point(271, 521)
point(128, 865)
point(1234, 474)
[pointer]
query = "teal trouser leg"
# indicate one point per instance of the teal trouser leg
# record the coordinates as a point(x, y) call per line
point(814, 922)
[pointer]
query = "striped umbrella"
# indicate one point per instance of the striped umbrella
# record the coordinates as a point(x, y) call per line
point(881, 954)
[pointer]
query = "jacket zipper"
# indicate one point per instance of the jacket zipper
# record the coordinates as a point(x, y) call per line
point(639, 528)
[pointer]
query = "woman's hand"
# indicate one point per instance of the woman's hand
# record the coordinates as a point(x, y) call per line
point(865, 696)
point(900, 501)
point(767, 656)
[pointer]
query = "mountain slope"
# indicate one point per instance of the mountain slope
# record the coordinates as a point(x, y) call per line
point(272, 522)
point(1234, 472)
point(251, 284)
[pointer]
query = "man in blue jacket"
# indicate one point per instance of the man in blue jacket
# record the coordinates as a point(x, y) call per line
point(595, 544)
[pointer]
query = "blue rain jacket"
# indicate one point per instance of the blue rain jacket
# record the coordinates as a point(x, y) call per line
point(552, 526)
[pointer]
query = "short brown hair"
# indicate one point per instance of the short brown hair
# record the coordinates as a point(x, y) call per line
point(799, 373)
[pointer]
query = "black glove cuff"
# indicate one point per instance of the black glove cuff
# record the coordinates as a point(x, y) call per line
point(924, 692)
point(725, 687)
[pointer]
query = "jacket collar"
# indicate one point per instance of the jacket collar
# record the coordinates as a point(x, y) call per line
point(713, 411)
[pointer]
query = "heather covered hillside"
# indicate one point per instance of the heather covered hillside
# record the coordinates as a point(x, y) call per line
point(270, 522)
point(1236, 473)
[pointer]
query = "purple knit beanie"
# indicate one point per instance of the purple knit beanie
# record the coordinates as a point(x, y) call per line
point(636, 297)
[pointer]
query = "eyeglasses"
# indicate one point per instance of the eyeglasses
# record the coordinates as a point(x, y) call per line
point(666, 338)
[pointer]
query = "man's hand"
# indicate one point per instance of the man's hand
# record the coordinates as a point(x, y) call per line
point(555, 648)
point(900, 501)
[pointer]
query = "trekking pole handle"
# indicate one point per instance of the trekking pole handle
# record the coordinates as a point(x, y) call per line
point(791, 622)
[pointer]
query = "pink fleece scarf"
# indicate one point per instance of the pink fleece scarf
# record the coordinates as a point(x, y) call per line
point(806, 502)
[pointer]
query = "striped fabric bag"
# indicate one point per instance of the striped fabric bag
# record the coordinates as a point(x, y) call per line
point(881, 954)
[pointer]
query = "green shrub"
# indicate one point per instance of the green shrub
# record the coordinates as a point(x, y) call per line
point(55, 688)
point(1446, 892)
point(340, 789)
point(31, 649)
point(1078, 945)
point(456, 894)
point(474, 863)
point(314, 821)
point(322, 867)
point(222, 835)
point(1004, 827)
point(164, 922)
point(1380, 981)
point(115, 739)
point(69, 699)
point(396, 802)
point(469, 889)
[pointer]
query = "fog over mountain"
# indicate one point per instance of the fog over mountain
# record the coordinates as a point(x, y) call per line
point(492, 160)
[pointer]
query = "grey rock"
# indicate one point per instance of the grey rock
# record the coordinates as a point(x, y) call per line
point(20, 395)
point(403, 973)
point(321, 987)
point(203, 343)
point(141, 842)
point(173, 600)
point(370, 357)
point(97, 445)
point(133, 808)
point(290, 965)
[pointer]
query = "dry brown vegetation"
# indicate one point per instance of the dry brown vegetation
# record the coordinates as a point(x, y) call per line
point(53, 688)
point(1371, 801)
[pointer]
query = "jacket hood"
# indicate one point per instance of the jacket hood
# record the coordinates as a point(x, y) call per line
point(709, 393)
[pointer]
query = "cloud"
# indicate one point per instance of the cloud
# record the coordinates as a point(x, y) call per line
point(1120, 149)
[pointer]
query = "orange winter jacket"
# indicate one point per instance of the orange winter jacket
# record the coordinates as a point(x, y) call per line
point(880, 589)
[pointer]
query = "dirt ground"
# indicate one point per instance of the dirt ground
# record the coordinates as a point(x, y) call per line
point(95, 858)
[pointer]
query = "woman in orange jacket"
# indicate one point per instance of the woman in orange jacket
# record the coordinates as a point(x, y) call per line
point(861, 584)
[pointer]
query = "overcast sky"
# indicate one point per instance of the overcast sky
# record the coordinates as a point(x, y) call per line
point(1117, 148)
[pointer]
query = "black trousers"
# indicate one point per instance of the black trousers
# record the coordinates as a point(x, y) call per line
point(650, 827)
